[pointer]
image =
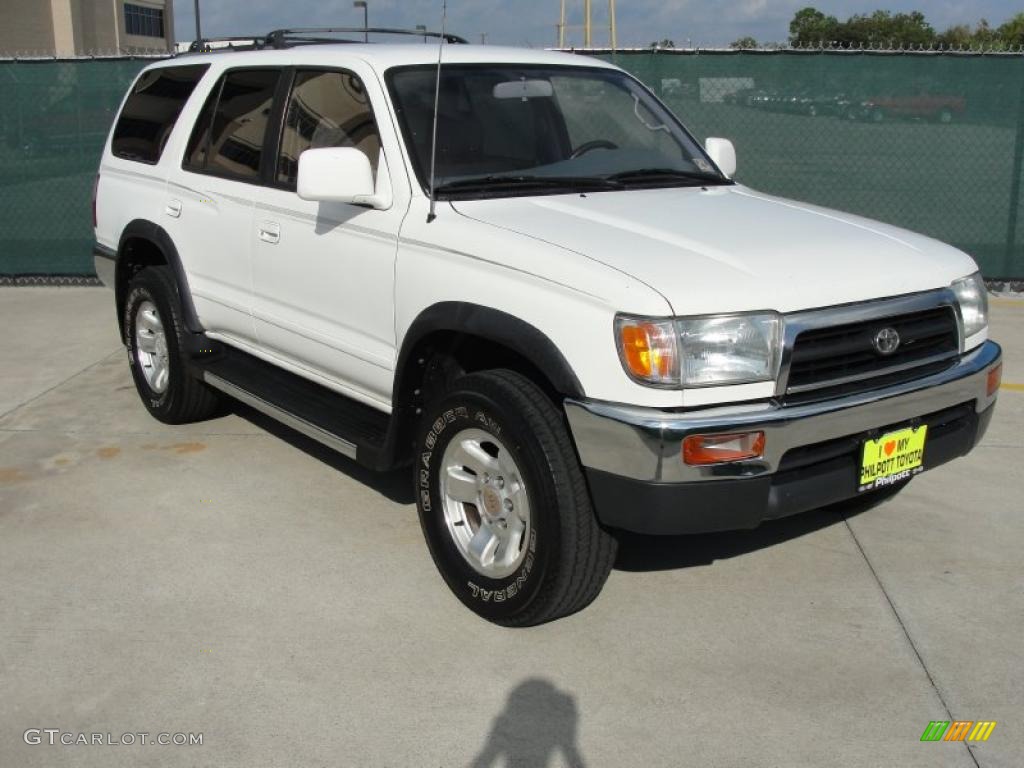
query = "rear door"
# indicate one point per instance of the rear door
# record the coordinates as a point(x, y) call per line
point(209, 206)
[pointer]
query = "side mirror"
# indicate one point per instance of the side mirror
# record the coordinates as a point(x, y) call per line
point(342, 175)
point(723, 153)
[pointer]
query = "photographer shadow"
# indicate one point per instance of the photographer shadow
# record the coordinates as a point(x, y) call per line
point(538, 721)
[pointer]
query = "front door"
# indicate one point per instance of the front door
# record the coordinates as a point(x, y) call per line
point(323, 272)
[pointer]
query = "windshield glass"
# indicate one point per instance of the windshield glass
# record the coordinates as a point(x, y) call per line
point(507, 130)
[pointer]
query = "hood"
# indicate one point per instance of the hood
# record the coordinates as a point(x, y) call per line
point(730, 249)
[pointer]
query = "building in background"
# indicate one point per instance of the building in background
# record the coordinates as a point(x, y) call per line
point(84, 27)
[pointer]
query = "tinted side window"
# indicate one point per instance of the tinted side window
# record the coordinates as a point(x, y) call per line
point(151, 110)
point(198, 149)
point(239, 125)
point(326, 109)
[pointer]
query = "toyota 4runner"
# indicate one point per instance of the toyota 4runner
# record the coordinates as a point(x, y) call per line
point(517, 274)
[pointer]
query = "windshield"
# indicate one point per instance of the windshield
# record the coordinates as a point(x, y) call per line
point(507, 130)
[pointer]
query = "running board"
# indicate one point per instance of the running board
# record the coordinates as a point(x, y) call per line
point(340, 445)
point(351, 428)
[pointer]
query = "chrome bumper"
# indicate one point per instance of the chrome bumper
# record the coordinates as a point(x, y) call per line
point(645, 444)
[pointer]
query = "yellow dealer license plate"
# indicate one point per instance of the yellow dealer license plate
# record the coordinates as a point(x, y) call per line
point(893, 457)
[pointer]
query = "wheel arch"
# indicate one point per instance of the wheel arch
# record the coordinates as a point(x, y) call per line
point(456, 337)
point(144, 243)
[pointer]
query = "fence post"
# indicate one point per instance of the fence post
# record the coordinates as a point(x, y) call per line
point(1018, 155)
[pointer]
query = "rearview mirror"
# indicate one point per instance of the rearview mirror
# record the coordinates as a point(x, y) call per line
point(723, 153)
point(523, 89)
point(342, 175)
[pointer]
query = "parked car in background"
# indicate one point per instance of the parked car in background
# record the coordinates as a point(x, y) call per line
point(921, 106)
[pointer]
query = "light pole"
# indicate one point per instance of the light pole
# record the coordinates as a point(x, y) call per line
point(366, 18)
point(422, 28)
point(612, 33)
point(199, 32)
point(561, 26)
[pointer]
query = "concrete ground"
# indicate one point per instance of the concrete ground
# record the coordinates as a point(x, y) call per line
point(231, 579)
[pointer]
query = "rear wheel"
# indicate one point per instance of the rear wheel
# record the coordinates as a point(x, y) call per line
point(155, 337)
point(504, 505)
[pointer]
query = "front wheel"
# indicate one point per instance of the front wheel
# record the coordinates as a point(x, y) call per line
point(504, 505)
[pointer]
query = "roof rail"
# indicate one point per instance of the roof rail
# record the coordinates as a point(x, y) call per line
point(286, 38)
point(210, 44)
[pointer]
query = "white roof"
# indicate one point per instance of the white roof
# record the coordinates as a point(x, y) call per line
point(385, 56)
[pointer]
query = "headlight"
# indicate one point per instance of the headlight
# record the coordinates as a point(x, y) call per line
point(973, 299)
point(729, 349)
point(700, 351)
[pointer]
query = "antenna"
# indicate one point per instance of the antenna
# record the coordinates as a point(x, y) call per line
point(437, 98)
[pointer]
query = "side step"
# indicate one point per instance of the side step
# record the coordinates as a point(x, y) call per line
point(342, 424)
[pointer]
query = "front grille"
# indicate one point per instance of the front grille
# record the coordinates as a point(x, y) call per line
point(842, 359)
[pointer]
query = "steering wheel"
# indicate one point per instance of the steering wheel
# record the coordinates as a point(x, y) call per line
point(582, 149)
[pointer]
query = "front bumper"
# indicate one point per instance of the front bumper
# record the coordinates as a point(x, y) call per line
point(638, 481)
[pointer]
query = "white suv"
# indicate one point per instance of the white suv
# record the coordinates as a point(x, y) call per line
point(592, 327)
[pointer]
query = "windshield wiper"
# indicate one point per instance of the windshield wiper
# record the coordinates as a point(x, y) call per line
point(498, 183)
point(667, 174)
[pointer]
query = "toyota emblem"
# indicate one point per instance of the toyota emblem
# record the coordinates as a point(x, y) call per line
point(887, 341)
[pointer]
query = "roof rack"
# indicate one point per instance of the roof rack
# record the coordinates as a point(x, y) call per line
point(210, 44)
point(286, 38)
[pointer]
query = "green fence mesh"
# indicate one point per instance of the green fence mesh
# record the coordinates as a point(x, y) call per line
point(931, 142)
point(54, 121)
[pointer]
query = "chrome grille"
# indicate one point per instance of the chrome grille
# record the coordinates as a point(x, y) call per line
point(843, 359)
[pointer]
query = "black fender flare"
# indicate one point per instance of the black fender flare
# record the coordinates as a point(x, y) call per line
point(480, 322)
point(152, 232)
point(492, 325)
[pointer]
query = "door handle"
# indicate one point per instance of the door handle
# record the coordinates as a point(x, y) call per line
point(269, 232)
point(173, 208)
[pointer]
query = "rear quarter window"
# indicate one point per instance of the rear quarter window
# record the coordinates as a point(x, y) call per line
point(151, 110)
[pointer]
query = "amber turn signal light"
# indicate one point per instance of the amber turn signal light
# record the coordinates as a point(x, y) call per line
point(649, 350)
point(716, 449)
point(995, 378)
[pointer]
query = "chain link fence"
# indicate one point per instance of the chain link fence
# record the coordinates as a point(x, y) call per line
point(928, 141)
point(54, 122)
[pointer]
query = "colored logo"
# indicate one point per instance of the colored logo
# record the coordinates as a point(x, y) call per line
point(886, 341)
point(958, 730)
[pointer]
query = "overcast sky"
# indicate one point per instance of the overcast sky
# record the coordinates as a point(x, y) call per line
point(532, 22)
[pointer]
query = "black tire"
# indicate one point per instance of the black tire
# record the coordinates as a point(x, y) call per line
point(569, 556)
point(185, 398)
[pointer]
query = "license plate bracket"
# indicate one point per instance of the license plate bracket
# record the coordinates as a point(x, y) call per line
point(892, 457)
